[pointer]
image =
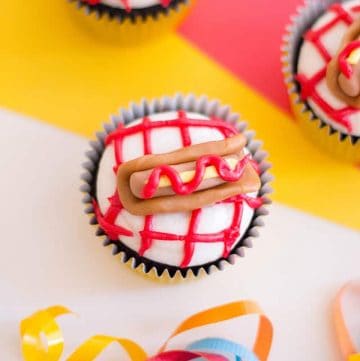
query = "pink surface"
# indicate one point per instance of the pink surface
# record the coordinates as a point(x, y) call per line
point(245, 37)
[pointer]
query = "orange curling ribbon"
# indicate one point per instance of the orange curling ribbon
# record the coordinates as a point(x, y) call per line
point(346, 344)
point(43, 323)
point(226, 312)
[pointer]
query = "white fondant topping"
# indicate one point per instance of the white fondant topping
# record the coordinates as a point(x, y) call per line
point(310, 62)
point(134, 4)
point(213, 218)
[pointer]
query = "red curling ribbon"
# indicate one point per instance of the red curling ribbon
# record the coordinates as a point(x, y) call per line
point(187, 356)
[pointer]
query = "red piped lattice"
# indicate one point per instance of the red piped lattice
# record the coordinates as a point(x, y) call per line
point(126, 3)
point(308, 85)
point(148, 235)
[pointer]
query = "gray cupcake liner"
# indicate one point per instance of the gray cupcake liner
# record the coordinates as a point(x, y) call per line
point(301, 21)
point(189, 103)
point(136, 15)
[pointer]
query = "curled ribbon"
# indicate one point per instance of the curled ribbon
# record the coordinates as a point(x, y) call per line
point(346, 344)
point(42, 339)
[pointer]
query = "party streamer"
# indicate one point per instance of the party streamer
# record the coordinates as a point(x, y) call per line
point(346, 344)
point(42, 326)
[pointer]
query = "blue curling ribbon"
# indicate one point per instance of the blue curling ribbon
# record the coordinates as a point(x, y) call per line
point(222, 346)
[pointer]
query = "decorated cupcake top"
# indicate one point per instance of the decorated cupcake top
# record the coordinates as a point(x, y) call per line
point(178, 188)
point(128, 5)
point(329, 67)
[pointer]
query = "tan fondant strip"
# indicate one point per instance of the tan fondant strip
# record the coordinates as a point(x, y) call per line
point(250, 181)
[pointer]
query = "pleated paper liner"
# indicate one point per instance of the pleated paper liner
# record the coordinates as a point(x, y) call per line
point(338, 144)
point(112, 25)
point(189, 103)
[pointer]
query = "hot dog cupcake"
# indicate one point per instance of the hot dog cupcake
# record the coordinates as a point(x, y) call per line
point(177, 186)
point(322, 69)
point(136, 19)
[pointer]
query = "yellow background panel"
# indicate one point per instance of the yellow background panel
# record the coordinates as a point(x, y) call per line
point(57, 69)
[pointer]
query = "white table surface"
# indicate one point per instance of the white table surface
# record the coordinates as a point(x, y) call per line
point(50, 255)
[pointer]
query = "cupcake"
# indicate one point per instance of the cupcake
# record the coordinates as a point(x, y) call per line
point(131, 8)
point(137, 19)
point(322, 68)
point(177, 186)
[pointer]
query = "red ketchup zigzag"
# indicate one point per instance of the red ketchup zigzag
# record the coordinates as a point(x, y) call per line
point(179, 187)
point(126, 3)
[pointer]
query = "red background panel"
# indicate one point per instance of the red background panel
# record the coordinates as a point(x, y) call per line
point(245, 37)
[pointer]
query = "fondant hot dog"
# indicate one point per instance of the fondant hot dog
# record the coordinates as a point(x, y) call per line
point(187, 179)
point(343, 71)
point(186, 172)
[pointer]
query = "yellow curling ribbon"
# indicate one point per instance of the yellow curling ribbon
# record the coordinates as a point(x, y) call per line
point(93, 347)
point(42, 323)
point(42, 339)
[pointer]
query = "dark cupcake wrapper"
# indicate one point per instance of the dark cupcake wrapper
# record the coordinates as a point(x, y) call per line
point(190, 104)
point(136, 15)
point(300, 22)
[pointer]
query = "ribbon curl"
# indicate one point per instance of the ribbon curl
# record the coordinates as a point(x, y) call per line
point(42, 339)
point(347, 346)
point(42, 323)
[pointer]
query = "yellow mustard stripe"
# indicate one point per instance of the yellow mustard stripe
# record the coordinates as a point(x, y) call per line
point(187, 176)
point(354, 57)
point(55, 68)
